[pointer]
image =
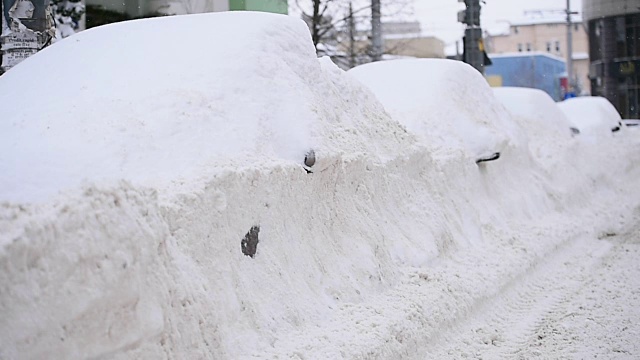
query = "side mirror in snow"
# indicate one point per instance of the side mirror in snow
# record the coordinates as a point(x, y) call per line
point(494, 156)
point(309, 160)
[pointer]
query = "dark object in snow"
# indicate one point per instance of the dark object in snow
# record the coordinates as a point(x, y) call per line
point(574, 131)
point(249, 244)
point(309, 160)
point(494, 156)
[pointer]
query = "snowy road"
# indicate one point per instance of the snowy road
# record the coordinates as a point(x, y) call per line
point(576, 298)
point(581, 302)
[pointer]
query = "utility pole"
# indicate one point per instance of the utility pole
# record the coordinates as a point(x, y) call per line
point(352, 38)
point(24, 36)
point(473, 48)
point(376, 31)
point(569, 48)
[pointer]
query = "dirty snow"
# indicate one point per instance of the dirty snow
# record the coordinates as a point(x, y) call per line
point(122, 211)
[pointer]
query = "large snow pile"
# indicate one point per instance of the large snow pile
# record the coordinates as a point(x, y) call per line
point(593, 115)
point(181, 90)
point(125, 207)
point(459, 112)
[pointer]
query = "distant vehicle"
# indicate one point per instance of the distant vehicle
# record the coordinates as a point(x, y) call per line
point(592, 115)
point(425, 95)
point(548, 130)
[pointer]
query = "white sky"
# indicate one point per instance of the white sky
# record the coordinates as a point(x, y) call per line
point(439, 17)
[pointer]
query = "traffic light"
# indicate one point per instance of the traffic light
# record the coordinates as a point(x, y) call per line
point(474, 52)
point(470, 15)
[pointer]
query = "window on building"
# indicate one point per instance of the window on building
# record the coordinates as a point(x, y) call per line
point(595, 40)
point(528, 46)
point(576, 26)
point(515, 29)
point(621, 36)
point(548, 46)
point(633, 35)
point(557, 46)
point(519, 47)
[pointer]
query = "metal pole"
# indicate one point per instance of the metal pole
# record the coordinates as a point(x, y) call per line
point(352, 38)
point(376, 31)
point(474, 51)
point(1, 20)
point(569, 47)
point(474, 56)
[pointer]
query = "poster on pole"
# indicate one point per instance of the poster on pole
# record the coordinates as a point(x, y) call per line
point(27, 27)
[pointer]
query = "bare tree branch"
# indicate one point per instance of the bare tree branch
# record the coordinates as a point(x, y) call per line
point(330, 20)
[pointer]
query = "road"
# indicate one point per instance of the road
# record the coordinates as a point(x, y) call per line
point(582, 302)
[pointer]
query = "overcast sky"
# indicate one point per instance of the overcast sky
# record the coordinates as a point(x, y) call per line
point(439, 17)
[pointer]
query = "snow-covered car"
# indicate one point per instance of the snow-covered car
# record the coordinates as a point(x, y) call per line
point(592, 114)
point(212, 116)
point(536, 106)
point(173, 98)
point(548, 129)
point(425, 96)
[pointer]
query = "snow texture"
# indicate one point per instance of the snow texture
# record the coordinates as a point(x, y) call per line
point(124, 206)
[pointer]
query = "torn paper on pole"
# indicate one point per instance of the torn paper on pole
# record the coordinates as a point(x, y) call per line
point(27, 27)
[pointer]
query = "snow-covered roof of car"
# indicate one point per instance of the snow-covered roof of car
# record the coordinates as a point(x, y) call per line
point(591, 114)
point(446, 103)
point(156, 100)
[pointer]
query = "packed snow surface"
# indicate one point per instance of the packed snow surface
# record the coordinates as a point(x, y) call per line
point(124, 205)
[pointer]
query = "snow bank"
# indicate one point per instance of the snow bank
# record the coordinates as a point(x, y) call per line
point(182, 90)
point(447, 103)
point(366, 257)
point(593, 115)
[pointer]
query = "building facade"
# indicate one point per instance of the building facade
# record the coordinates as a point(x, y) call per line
point(140, 8)
point(417, 47)
point(538, 70)
point(547, 35)
point(614, 50)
